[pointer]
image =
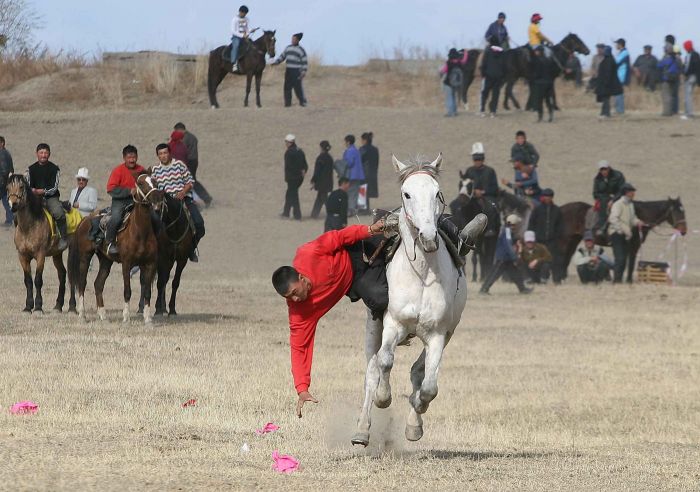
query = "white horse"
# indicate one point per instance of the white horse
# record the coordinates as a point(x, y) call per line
point(427, 294)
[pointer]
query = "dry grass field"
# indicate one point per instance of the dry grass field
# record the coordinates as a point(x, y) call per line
point(571, 388)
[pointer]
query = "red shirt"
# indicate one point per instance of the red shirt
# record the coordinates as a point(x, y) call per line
point(123, 177)
point(326, 263)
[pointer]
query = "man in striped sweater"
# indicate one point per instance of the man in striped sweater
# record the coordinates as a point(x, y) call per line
point(297, 65)
point(173, 177)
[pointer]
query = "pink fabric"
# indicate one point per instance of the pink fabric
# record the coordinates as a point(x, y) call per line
point(189, 403)
point(283, 463)
point(443, 69)
point(465, 57)
point(24, 407)
point(267, 428)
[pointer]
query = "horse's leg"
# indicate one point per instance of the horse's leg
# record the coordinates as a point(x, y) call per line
point(162, 284)
point(392, 333)
point(631, 260)
point(248, 82)
point(475, 261)
point(414, 422)
point(258, 77)
point(26, 264)
point(214, 79)
point(175, 285)
point(126, 277)
point(105, 267)
point(141, 297)
point(149, 273)
point(429, 388)
point(61, 270)
point(373, 340)
point(39, 283)
point(83, 265)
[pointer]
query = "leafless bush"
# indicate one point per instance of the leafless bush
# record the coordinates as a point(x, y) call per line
point(18, 21)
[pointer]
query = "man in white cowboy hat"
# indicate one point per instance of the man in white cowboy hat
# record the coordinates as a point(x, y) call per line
point(83, 197)
point(506, 258)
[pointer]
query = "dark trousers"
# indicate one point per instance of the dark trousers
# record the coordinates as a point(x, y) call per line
point(198, 187)
point(621, 250)
point(539, 273)
point(498, 269)
point(291, 199)
point(321, 197)
point(675, 86)
point(557, 261)
point(115, 219)
point(369, 282)
point(335, 222)
point(544, 93)
point(593, 274)
point(292, 81)
point(197, 219)
point(492, 86)
point(605, 108)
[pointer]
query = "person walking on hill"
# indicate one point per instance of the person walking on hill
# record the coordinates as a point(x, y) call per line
point(608, 83)
point(498, 30)
point(322, 179)
point(192, 162)
point(356, 172)
point(295, 168)
point(692, 75)
point(337, 207)
point(622, 62)
point(83, 197)
point(370, 163)
point(43, 177)
point(492, 72)
point(297, 66)
point(6, 168)
point(623, 221)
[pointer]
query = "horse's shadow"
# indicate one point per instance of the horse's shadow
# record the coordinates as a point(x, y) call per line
point(443, 454)
point(205, 318)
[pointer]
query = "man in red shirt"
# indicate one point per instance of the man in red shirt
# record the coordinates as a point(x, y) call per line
point(120, 185)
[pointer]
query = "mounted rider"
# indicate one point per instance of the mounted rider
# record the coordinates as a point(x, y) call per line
point(534, 33)
point(240, 32)
point(173, 177)
point(484, 183)
point(607, 188)
point(498, 30)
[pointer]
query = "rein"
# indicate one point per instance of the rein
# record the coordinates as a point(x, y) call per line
point(409, 219)
point(177, 219)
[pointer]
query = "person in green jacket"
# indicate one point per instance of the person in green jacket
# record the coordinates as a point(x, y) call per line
point(607, 187)
point(522, 146)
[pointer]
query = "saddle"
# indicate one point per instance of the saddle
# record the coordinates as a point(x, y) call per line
point(243, 50)
point(99, 221)
point(591, 224)
point(73, 219)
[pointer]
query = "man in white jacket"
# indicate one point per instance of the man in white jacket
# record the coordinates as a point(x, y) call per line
point(623, 220)
point(83, 197)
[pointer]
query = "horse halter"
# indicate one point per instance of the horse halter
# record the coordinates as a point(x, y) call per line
point(440, 197)
point(143, 197)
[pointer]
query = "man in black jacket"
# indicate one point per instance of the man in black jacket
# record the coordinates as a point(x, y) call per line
point(6, 168)
point(322, 180)
point(607, 187)
point(546, 221)
point(492, 72)
point(337, 207)
point(295, 168)
point(43, 177)
point(692, 73)
point(543, 83)
point(607, 82)
point(192, 144)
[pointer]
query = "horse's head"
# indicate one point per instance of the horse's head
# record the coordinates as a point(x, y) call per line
point(573, 43)
point(422, 200)
point(269, 39)
point(17, 191)
point(147, 192)
point(677, 216)
point(466, 188)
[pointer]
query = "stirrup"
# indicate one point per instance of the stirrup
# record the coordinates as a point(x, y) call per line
point(474, 229)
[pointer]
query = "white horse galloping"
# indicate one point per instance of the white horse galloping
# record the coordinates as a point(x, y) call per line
point(427, 295)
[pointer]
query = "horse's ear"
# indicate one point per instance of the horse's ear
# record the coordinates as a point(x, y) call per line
point(437, 162)
point(398, 165)
point(274, 32)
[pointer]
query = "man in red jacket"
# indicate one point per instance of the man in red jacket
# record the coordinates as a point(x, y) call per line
point(119, 186)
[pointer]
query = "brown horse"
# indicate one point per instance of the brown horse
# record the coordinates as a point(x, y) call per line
point(138, 246)
point(34, 241)
point(652, 214)
point(251, 64)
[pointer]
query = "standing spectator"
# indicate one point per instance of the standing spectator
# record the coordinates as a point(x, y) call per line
point(492, 72)
point(547, 223)
point(322, 180)
point(607, 187)
point(506, 259)
point(177, 147)
point(370, 163)
point(522, 145)
point(6, 168)
point(692, 75)
point(355, 172)
point(83, 197)
point(592, 264)
point(240, 30)
point(622, 61)
point(192, 162)
point(536, 259)
point(526, 183)
point(498, 30)
point(453, 79)
point(670, 68)
point(297, 65)
point(645, 68)
point(669, 42)
point(295, 168)
point(607, 83)
point(573, 70)
point(543, 83)
point(43, 177)
point(337, 207)
point(595, 65)
point(623, 221)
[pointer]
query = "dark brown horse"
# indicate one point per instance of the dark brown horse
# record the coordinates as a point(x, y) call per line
point(652, 214)
point(468, 74)
point(138, 246)
point(251, 64)
point(34, 241)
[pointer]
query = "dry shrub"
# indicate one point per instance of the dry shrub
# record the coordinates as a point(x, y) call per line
point(160, 74)
point(109, 85)
point(34, 63)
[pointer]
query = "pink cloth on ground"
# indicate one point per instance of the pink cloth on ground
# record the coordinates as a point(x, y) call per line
point(267, 428)
point(189, 403)
point(284, 463)
point(24, 407)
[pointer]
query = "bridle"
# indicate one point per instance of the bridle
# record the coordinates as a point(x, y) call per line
point(177, 219)
point(667, 217)
point(143, 197)
point(409, 219)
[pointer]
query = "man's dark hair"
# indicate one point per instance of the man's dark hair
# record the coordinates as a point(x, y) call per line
point(2, 140)
point(243, 9)
point(161, 146)
point(43, 146)
point(283, 277)
point(179, 126)
point(342, 181)
point(129, 149)
point(520, 133)
point(350, 139)
point(367, 137)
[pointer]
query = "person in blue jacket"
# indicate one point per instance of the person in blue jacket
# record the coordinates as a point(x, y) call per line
point(622, 61)
point(506, 258)
point(526, 182)
point(670, 68)
point(498, 29)
point(355, 172)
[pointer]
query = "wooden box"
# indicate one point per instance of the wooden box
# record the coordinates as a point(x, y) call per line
point(655, 272)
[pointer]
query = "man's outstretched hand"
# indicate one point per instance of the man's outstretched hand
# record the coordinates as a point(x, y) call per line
point(304, 396)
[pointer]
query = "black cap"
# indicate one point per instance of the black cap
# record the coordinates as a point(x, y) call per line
point(670, 39)
point(628, 187)
point(501, 15)
point(243, 8)
point(548, 192)
point(620, 41)
point(647, 47)
point(299, 35)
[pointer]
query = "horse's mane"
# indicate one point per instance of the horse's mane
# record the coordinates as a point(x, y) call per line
point(418, 165)
point(519, 204)
point(34, 203)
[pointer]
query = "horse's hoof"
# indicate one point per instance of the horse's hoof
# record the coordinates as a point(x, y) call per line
point(360, 439)
point(73, 310)
point(414, 432)
point(159, 313)
point(172, 313)
point(215, 107)
point(27, 310)
point(382, 403)
point(139, 311)
point(58, 309)
point(38, 312)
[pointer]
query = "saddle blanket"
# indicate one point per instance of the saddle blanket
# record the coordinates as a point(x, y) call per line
point(73, 219)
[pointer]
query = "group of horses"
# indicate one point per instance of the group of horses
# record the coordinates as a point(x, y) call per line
point(154, 249)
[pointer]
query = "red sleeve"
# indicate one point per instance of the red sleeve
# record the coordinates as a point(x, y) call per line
point(332, 241)
point(301, 342)
point(114, 179)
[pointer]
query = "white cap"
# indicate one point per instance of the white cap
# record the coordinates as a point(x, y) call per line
point(513, 219)
point(83, 173)
point(603, 164)
point(290, 138)
point(529, 236)
point(478, 148)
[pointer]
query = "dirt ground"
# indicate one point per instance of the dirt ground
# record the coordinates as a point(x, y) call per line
point(570, 388)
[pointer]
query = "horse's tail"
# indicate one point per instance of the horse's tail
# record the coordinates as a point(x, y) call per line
point(74, 258)
point(215, 67)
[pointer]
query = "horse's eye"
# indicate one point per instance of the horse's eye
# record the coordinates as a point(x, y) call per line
point(408, 197)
